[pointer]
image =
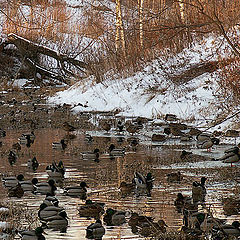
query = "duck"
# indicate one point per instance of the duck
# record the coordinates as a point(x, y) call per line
point(185, 155)
point(158, 137)
point(126, 188)
point(77, 191)
point(68, 128)
point(143, 184)
point(114, 218)
point(106, 126)
point(95, 230)
point(88, 138)
point(29, 185)
point(12, 157)
point(228, 230)
point(174, 177)
point(132, 128)
point(138, 220)
point(91, 155)
point(58, 221)
point(170, 117)
point(202, 136)
point(120, 126)
point(116, 152)
point(2, 133)
point(12, 181)
point(199, 190)
point(184, 202)
point(231, 155)
point(153, 228)
point(231, 206)
point(36, 234)
point(16, 191)
point(27, 138)
point(59, 145)
point(45, 211)
point(56, 170)
point(208, 143)
point(91, 209)
point(51, 200)
point(33, 163)
point(45, 187)
point(16, 146)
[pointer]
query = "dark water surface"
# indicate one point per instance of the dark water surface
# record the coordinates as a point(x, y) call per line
point(103, 179)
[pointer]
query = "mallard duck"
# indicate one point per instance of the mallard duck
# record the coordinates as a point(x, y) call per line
point(126, 188)
point(27, 138)
point(2, 133)
point(153, 228)
point(29, 185)
point(231, 155)
point(33, 163)
point(12, 157)
point(95, 230)
point(91, 155)
point(139, 220)
point(46, 187)
point(116, 152)
point(59, 145)
point(227, 229)
point(91, 209)
point(207, 144)
point(88, 138)
point(36, 234)
point(45, 211)
point(68, 128)
point(202, 136)
point(16, 191)
point(185, 155)
point(158, 137)
point(199, 190)
point(170, 117)
point(184, 202)
point(106, 126)
point(120, 125)
point(132, 128)
point(56, 170)
point(16, 146)
point(58, 222)
point(114, 218)
point(12, 181)
point(51, 200)
point(231, 206)
point(143, 184)
point(174, 177)
point(77, 191)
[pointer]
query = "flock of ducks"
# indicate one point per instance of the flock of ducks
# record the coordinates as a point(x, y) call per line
point(53, 216)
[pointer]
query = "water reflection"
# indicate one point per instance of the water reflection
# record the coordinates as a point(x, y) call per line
point(103, 178)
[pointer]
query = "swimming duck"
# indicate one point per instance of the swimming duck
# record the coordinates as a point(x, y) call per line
point(68, 128)
point(45, 211)
point(120, 125)
point(174, 177)
point(91, 209)
point(138, 220)
point(16, 191)
point(95, 230)
point(33, 163)
point(116, 152)
point(126, 188)
point(27, 138)
point(158, 137)
point(12, 181)
point(114, 218)
point(36, 234)
point(12, 157)
point(88, 138)
point(58, 221)
point(91, 155)
point(199, 190)
point(184, 202)
point(203, 136)
point(46, 187)
point(29, 185)
point(77, 191)
point(59, 145)
point(143, 184)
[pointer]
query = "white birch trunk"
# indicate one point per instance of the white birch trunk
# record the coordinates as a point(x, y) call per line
point(140, 4)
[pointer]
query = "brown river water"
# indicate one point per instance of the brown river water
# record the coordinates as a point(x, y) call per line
point(105, 176)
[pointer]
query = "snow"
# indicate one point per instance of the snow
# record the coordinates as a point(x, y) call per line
point(150, 93)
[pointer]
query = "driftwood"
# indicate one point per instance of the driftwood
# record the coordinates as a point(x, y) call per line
point(30, 51)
